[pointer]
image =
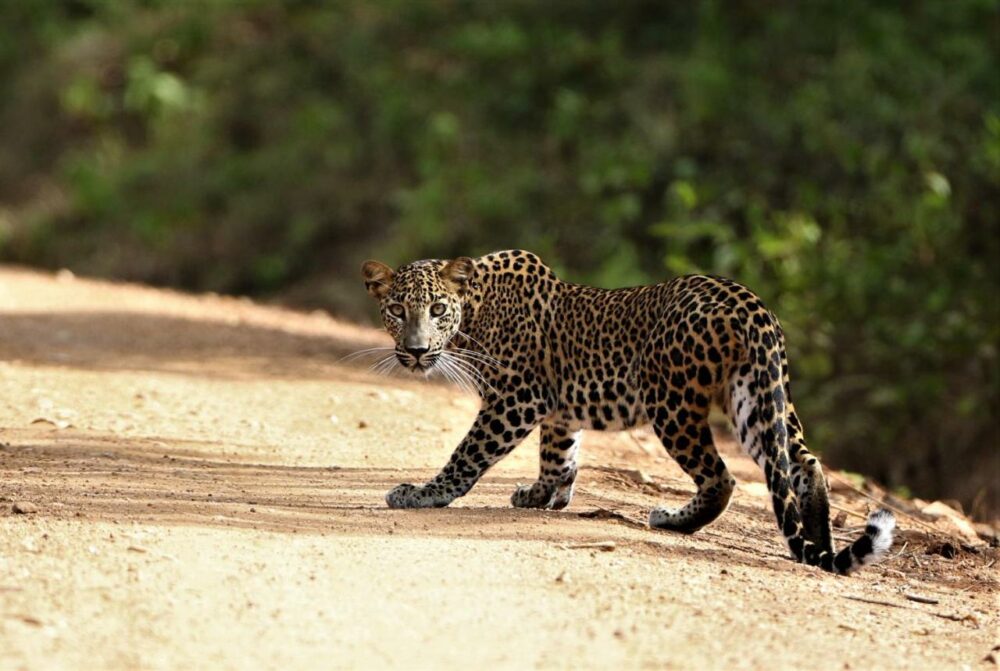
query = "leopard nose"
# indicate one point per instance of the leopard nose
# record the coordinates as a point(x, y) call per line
point(417, 352)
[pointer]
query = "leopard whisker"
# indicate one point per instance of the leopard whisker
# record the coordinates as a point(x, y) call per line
point(470, 382)
point(469, 367)
point(458, 375)
point(473, 370)
point(478, 356)
point(470, 371)
point(385, 366)
point(378, 363)
point(382, 369)
point(482, 355)
point(363, 352)
point(473, 360)
point(485, 351)
point(454, 375)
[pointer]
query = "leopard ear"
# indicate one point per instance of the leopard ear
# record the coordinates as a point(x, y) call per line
point(459, 273)
point(378, 278)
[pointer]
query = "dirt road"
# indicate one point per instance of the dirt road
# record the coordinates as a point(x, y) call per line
point(204, 488)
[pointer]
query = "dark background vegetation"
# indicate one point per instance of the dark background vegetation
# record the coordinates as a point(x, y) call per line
point(841, 157)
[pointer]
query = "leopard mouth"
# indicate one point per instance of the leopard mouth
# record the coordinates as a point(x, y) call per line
point(422, 365)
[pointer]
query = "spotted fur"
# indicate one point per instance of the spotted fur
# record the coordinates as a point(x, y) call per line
point(566, 357)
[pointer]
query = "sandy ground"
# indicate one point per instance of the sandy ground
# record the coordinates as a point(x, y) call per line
point(207, 485)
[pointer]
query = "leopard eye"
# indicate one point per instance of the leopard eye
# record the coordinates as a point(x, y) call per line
point(397, 310)
point(438, 309)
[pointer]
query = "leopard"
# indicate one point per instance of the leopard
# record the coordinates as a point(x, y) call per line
point(562, 358)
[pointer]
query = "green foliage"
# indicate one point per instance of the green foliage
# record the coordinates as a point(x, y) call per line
point(841, 158)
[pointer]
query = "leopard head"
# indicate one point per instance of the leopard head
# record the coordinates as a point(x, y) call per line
point(421, 305)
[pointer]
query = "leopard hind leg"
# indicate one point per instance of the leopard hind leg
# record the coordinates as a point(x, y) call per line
point(681, 424)
point(806, 474)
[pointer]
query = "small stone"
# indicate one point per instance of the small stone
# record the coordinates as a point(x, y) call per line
point(362, 424)
point(952, 522)
point(959, 529)
point(993, 656)
point(939, 508)
point(24, 508)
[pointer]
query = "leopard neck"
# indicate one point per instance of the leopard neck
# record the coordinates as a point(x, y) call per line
point(472, 301)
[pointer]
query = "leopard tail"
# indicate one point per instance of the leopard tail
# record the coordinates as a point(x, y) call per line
point(758, 410)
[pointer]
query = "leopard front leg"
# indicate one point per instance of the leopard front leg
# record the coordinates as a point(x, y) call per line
point(499, 427)
point(556, 472)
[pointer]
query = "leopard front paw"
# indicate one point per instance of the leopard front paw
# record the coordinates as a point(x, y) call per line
point(413, 496)
point(401, 496)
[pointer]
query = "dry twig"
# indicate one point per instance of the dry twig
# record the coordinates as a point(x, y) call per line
point(877, 602)
point(848, 512)
point(921, 599)
point(954, 617)
point(603, 546)
point(895, 509)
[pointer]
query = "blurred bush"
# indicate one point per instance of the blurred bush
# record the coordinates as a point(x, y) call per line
point(841, 158)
